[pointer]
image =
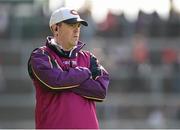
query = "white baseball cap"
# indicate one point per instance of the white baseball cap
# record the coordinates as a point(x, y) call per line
point(66, 15)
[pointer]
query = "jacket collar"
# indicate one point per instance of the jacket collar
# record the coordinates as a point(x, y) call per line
point(59, 50)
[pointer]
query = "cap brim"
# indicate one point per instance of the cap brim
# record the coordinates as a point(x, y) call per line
point(76, 20)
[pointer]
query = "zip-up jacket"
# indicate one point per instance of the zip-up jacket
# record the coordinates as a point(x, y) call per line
point(67, 86)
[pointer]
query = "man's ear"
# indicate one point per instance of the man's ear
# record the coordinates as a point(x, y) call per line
point(56, 28)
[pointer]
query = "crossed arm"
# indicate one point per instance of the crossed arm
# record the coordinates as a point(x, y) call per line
point(80, 80)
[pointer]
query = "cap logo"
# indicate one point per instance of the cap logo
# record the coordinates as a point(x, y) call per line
point(74, 12)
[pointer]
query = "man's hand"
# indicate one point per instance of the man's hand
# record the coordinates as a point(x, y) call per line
point(94, 67)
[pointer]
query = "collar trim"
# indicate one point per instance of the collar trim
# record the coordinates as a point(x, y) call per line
point(59, 50)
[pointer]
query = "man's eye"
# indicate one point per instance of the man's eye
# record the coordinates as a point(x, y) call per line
point(75, 25)
point(72, 25)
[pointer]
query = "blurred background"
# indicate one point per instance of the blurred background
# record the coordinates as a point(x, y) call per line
point(137, 41)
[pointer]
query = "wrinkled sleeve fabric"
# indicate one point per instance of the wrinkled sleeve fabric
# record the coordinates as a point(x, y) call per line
point(95, 89)
point(56, 78)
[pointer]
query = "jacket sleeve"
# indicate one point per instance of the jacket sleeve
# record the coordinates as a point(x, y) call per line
point(56, 78)
point(95, 88)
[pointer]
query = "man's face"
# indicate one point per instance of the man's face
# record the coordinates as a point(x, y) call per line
point(68, 35)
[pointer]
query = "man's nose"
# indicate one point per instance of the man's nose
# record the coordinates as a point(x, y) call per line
point(76, 29)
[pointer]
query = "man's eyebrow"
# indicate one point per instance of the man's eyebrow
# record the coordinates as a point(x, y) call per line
point(73, 24)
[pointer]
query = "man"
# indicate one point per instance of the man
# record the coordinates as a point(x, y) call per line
point(68, 80)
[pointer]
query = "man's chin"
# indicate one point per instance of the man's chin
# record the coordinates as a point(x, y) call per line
point(74, 43)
